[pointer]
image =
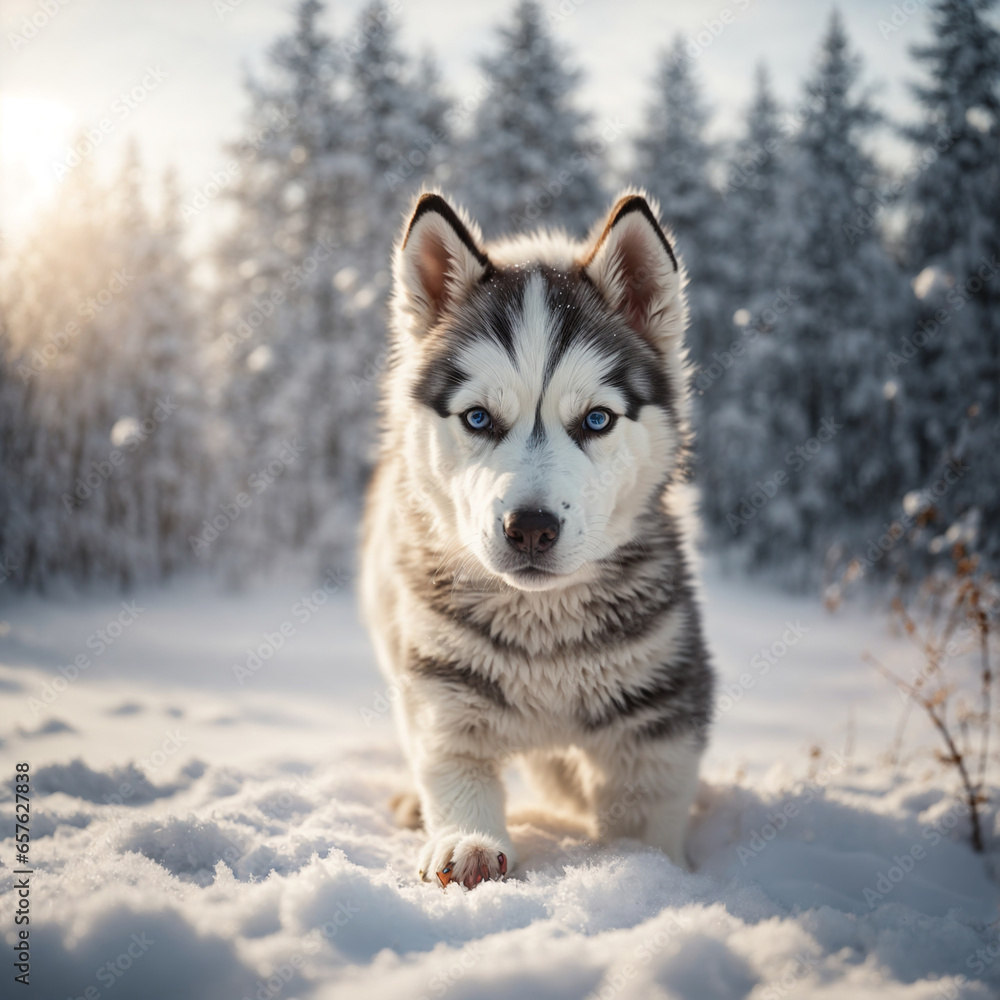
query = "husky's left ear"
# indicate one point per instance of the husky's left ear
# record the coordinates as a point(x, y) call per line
point(438, 261)
point(634, 267)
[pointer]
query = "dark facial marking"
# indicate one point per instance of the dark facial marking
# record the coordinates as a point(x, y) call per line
point(437, 383)
point(576, 309)
point(487, 313)
point(580, 316)
point(640, 380)
point(537, 436)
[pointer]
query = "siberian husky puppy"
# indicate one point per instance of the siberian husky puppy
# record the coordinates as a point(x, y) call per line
point(524, 577)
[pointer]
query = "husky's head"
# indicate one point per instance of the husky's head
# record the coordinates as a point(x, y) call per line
point(538, 388)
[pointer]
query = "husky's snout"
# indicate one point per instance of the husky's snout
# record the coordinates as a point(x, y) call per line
point(531, 531)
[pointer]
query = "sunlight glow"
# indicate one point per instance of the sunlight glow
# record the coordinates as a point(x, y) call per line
point(34, 133)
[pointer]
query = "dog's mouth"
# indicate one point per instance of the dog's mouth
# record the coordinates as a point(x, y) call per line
point(530, 573)
point(532, 577)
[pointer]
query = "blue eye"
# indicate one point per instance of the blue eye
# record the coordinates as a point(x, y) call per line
point(478, 419)
point(597, 420)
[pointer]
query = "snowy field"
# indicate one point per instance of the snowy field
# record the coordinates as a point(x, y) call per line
point(203, 836)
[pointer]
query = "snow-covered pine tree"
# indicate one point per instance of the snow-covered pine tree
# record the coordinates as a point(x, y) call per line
point(814, 408)
point(62, 301)
point(399, 132)
point(16, 439)
point(332, 129)
point(751, 193)
point(673, 159)
point(92, 312)
point(749, 267)
point(171, 438)
point(531, 159)
point(949, 365)
point(280, 313)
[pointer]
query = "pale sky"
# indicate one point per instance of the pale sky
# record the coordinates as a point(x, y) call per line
point(190, 57)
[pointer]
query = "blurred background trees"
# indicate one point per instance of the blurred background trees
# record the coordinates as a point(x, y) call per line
point(530, 158)
point(845, 319)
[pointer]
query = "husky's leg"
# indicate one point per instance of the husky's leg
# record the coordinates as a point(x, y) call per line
point(462, 800)
point(558, 778)
point(646, 790)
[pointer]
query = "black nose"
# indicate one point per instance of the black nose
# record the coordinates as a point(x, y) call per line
point(531, 531)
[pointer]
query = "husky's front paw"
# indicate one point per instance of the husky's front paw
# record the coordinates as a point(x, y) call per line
point(456, 855)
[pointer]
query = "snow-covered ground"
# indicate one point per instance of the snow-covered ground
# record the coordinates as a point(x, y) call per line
point(198, 834)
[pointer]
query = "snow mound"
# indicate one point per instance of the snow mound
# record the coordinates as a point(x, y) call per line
point(260, 860)
point(126, 783)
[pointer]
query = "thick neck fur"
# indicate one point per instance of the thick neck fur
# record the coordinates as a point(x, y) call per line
point(603, 605)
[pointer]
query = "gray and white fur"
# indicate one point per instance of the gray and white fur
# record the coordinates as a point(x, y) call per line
point(523, 576)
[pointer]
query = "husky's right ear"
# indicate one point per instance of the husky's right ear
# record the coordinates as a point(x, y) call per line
point(438, 261)
point(634, 266)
